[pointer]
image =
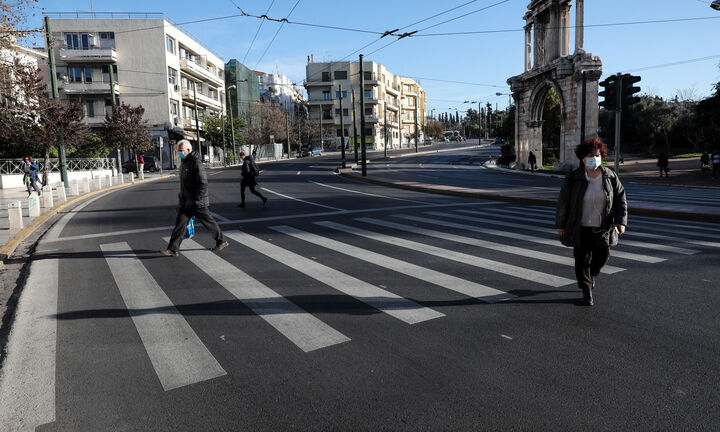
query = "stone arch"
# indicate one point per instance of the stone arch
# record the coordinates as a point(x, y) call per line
point(536, 115)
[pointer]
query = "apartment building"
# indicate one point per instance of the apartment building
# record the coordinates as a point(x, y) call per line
point(155, 63)
point(13, 59)
point(278, 88)
point(243, 89)
point(392, 102)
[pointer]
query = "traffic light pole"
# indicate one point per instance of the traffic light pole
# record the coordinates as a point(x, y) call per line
point(362, 118)
point(342, 130)
point(618, 119)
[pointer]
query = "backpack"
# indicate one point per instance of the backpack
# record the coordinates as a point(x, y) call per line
point(254, 169)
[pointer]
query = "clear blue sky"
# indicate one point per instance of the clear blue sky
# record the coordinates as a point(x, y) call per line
point(484, 58)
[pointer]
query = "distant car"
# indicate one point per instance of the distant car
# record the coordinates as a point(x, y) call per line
point(151, 164)
point(316, 151)
point(715, 5)
point(499, 141)
point(443, 139)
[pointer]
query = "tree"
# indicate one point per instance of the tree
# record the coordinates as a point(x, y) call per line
point(214, 126)
point(93, 147)
point(126, 128)
point(270, 122)
point(551, 128)
point(434, 128)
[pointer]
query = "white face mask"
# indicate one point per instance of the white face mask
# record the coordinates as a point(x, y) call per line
point(593, 162)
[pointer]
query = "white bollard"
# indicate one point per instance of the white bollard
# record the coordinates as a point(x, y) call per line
point(132, 177)
point(98, 183)
point(61, 193)
point(15, 215)
point(34, 205)
point(87, 184)
point(141, 172)
point(109, 181)
point(74, 188)
point(47, 197)
point(121, 178)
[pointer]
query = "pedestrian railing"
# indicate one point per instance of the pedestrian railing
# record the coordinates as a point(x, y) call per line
point(16, 166)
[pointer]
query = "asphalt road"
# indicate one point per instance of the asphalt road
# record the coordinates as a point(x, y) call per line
point(349, 306)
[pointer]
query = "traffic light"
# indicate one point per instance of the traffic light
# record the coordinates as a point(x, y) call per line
point(629, 90)
point(609, 86)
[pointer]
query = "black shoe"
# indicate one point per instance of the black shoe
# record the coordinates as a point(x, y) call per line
point(168, 252)
point(221, 246)
point(264, 201)
point(241, 205)
point(587, 302)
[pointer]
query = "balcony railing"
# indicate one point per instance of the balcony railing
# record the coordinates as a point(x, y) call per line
point(99, 87)
point(321, 100)
point(92, 55)
point(200, 71)
point(190, 123)
point(202, 98)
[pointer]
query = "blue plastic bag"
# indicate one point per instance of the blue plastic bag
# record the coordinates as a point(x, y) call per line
point(190, 231)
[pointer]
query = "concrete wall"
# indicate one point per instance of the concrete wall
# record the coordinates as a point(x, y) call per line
point(16, 180)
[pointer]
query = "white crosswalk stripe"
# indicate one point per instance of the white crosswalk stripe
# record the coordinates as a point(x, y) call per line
point(508, 269)
point(176, 352)
point(633, 243)
point(533, 239)
point(472, 289)
point(385, 301)
point(514, 250)
point(293, 322)
point(549, 220)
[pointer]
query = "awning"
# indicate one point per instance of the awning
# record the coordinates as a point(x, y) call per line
point(192, 136)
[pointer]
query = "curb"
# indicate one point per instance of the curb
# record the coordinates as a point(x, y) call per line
point(8, 248)
point(463, 192)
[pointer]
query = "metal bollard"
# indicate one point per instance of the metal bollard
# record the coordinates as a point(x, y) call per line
point(61, 193)
point(15, 215)
point(34, 205)
point(74, 188)
point(47, 197)
point(132, 177)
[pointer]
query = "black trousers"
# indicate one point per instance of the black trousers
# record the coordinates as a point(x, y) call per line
point(249, 183)
point(184, 215)
point(33, 184)
point(589, 258)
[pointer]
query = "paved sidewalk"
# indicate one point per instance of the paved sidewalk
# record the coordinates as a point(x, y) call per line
point(9, 238)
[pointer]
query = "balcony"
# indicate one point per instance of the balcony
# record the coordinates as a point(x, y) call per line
point(392, 106)
point(199, 71)
point(317, 81)
point(95, 121)
point(372, 100)
point(190, 124)
point(95, 55)
point(395, 91)
point(320, 101)
point(371, 78)
point(79, 88)
point(202, 98)
point(371, 119)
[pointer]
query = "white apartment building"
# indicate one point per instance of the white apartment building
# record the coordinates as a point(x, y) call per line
point(391, 102)
point(17, 56)
point(279, 88)
point(156, 64)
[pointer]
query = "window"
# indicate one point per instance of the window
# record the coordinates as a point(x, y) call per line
point(88, 74)
point(107, 36)
point(340, 75)
point(172, 76)
point(368, 111)
point(344, 112)
point(368, 75)
point(368, 94)
point(170, 44)
point(71, 40)
point(74, 74)
point(339, 132)
point(337, 94)
point(326, 76)
point(326, 95)
point(90, 109)
point(173, 107)
point(369, 132)
point(106, 71)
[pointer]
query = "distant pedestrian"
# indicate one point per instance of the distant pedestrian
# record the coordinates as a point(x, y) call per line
point(140, 163)
point(30, 178)
point(716, 162)
point(663, 163)
point(249, 173)
point(194, 201)
point(591, 214)
point(532, 161)
point(705, 163)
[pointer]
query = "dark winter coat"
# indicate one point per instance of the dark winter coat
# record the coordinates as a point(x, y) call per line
point(193, 183)
point(31, 171)
point(663, 161)
point(248, 171)
point(570, 203)
point(532, 160)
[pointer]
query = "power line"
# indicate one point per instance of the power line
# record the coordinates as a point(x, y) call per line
point(258, 30)
point(438, 14)
point(464, 15)
point(677, 63)
point(276, 33)
point(458, 82)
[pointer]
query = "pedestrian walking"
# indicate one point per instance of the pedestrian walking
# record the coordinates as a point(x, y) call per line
point(591, 214)
point(30, 178)
point(193, 201)
point(532, 161)
point(663, 163)
point(716, 162)
point(705, 163)
point(249, 173)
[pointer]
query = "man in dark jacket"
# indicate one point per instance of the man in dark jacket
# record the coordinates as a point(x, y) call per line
point(193, 201)
point(249, 172)
point(532, 161)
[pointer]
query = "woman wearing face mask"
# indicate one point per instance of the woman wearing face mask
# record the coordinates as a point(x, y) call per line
point(591, 214)
point(31, 175)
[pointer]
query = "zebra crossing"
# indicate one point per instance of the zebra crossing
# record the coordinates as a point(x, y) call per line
point(180, 358)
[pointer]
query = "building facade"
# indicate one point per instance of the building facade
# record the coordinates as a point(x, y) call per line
point(13, 60)
point(155, 63)
point(243, 89)
point(392, 103)
point(275, 87)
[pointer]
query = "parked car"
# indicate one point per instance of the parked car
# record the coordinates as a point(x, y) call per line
point(151, 164)
point(316, 151)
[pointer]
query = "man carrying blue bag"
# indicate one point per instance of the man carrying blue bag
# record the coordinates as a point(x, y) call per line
point(193, 201)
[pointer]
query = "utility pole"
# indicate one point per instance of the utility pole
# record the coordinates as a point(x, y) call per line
point(342, 129)
point(232, 124)
point(362, 117)
point(197, 123)
point(114, 103)
point(416, 126)
point(618, 119)
point(287, 129)
point(488, 120)
point(385, 126)
point(355, 138)
point(56, 96)
point(321, 128)
point(479, 122)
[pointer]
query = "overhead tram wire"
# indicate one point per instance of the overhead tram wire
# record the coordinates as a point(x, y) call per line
point(276, 33)
point(677, 63)
point(257, 31)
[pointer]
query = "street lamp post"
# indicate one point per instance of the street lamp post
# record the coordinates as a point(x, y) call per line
point(232, 125)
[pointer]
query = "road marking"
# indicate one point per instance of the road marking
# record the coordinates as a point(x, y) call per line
point(27, 384)
point(552, 231)
point(506, 336)
point(296, 324)
point(472, 289)
point(385, 301)
point(508, 269)
point(367, 193)
point(176, 352)
point(301, 200)
point(556, 259)
point(533, 239)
